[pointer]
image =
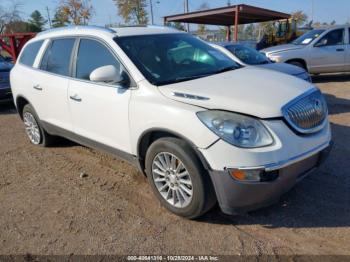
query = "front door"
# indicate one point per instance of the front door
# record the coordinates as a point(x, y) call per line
point(328, 54)
point(99, 110)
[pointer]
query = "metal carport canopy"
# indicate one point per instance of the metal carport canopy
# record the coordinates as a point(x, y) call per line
point(228, 16)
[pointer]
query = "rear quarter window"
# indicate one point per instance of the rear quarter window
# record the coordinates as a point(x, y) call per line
point(30, 52)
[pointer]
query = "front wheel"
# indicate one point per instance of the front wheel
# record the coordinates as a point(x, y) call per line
point(298, 64)
point(178, 179)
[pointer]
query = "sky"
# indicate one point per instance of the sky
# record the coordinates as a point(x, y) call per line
point(106, 12)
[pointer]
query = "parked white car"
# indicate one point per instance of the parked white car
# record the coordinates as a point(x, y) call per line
point(318, 51)
point(247, 56)
point(202, 128)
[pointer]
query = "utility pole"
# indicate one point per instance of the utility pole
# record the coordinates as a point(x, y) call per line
point(48, 16)
point(186, 11)
point(151, 6)
point(312, 10)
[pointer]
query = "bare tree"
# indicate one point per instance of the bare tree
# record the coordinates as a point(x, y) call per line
point(300, 17)
point(133, 11)
point(77, 12)
point(9, 15)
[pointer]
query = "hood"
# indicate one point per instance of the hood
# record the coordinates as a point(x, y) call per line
point(249, 90)
point(284, 68)
point(281, 48)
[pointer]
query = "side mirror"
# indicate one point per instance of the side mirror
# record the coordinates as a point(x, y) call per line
point(108, 74)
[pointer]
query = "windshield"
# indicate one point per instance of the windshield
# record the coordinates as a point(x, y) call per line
point(248, 55)
point(170, 58)
point(308, 37)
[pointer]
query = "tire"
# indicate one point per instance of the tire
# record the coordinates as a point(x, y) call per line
point(32, 124)
point(298, 64)
point(202, 197)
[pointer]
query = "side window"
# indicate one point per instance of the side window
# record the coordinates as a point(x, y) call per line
point(335, 37)
point(57, 56)
point(30, 52)
point(91, 55)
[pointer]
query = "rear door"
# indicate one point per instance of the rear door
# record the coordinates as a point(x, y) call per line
point(100, 111)
point(51, 83)
point(328, 54)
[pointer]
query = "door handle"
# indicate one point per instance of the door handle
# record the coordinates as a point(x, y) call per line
point(38, 87)
point(340, 50)
point(75, 98)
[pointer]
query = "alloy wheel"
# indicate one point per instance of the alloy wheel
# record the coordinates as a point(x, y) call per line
point(32, 128)
point(172, 179)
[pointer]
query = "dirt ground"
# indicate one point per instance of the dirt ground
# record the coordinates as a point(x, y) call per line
point(46, 208)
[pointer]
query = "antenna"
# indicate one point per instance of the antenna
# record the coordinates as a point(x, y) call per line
point(151, 7)
point(48, 16)
point(186, 11)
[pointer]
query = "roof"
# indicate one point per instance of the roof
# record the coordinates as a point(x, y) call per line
point(226, 15)
point(112, 32)
point(144, 30)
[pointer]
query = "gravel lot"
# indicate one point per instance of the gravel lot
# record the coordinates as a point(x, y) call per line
point(46, 208)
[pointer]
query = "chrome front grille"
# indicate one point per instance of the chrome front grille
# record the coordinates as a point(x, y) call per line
point(307, 113)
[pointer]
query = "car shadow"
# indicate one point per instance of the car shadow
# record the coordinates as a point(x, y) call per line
point(326, 78)
point(337, 105)
point(320, 200)
point(7, 108)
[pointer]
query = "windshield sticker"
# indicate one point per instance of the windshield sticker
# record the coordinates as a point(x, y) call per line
point(307, 40)
point(218, 55)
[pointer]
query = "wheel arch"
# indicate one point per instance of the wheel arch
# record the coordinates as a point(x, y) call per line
point(21, 101)
point(151, 135)
point(299, 60)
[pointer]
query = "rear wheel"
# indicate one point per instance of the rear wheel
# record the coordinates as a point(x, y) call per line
point(178, 179)
point(36, 134)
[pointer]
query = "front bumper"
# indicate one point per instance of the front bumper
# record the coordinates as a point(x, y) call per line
point(238, 197)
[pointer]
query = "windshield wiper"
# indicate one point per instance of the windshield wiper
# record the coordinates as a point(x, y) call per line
point(181, 79)
point(187, 78)
point(225, 69)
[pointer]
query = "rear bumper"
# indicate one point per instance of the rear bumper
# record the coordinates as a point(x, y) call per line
point(5, 93)
point(238, 197)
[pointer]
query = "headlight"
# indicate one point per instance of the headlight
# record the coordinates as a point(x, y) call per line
point(236, 129)
point(276, 58)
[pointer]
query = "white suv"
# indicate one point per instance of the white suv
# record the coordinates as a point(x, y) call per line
point(200, 127)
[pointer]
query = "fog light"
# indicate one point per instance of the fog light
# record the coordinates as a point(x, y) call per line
point(253, 175)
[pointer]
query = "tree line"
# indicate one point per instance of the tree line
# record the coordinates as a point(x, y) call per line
point(80, 12)
point(68, 12)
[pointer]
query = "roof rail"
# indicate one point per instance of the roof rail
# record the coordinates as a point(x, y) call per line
point(78, 27)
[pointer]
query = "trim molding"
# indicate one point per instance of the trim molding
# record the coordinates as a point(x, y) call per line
point(54, 130)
